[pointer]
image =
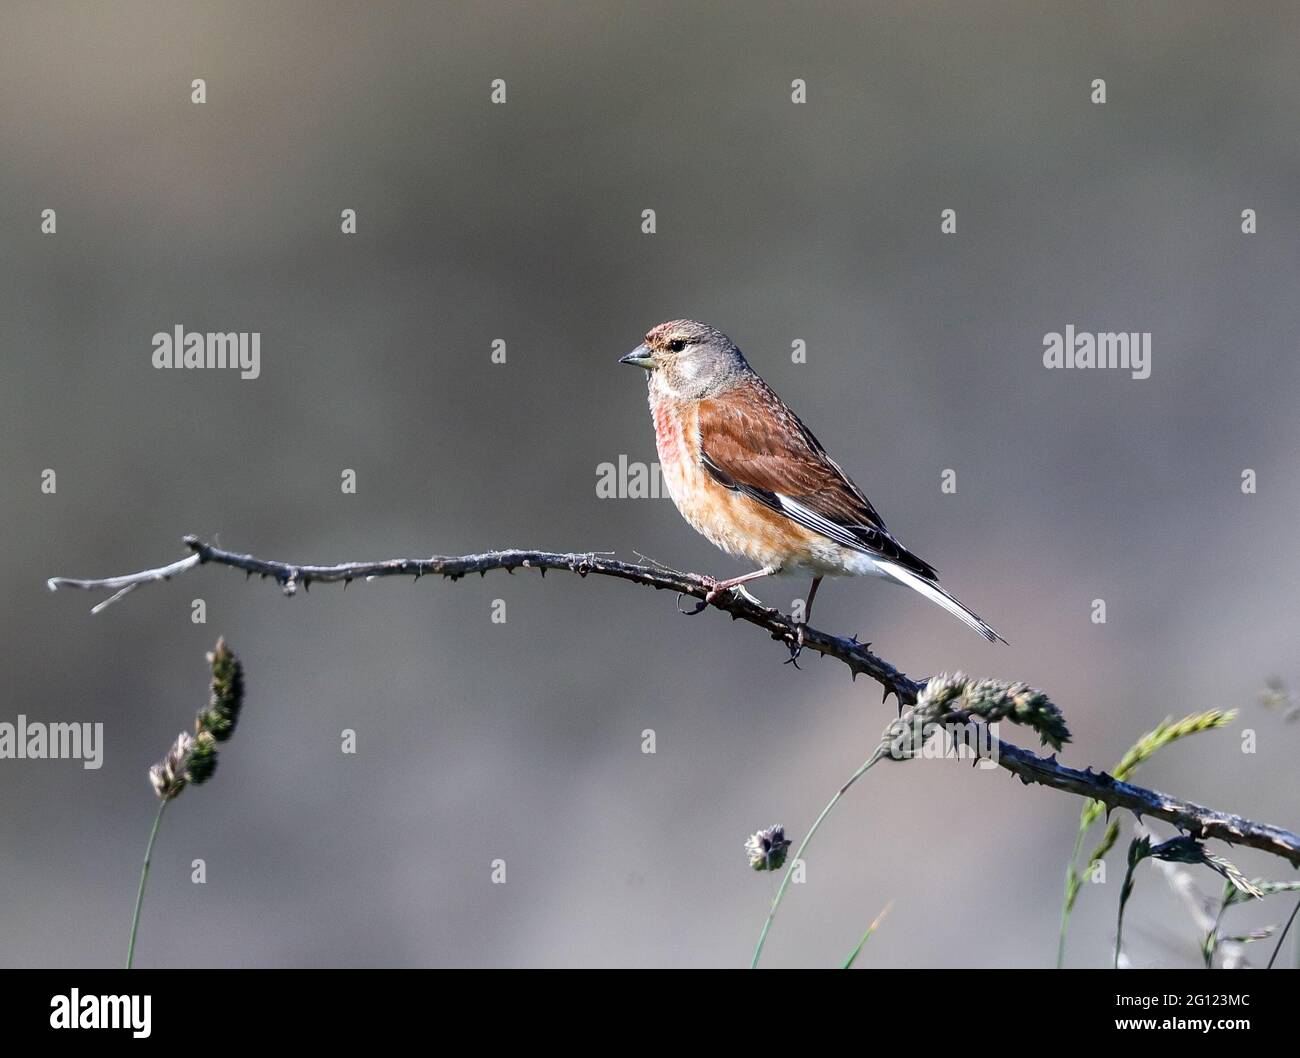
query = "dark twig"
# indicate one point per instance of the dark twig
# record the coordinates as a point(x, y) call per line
point(1189, 817)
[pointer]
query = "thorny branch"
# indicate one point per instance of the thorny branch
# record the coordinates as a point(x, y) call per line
point(1191, 818)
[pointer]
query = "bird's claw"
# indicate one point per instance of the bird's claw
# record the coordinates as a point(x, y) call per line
point(701, 604)
point(796, 648)
point(715, 592)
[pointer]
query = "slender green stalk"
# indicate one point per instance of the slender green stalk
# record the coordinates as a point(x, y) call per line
point(1285, 930)
point(1167, 731)
point(144, 875)
point(1138, 850)
point(1119, 923)
point(875, 924)
point(1211, 944)
point(1073, 884)
point(798, 856)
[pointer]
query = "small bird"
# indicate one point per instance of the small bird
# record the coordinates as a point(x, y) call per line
point(746, 473)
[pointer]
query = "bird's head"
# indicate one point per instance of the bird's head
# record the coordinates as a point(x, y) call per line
point(688, 360)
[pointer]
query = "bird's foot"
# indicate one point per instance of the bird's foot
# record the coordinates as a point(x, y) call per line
point(796, 648)
point(716, 589)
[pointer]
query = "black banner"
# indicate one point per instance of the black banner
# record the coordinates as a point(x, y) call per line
point(306, 1006)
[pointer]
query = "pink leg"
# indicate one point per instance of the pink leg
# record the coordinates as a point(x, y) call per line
point(719, 586)
point(726, 585)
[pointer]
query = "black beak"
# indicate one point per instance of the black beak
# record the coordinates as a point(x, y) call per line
point(641, 356)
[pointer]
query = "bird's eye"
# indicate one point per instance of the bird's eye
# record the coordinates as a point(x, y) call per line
point(677, 345)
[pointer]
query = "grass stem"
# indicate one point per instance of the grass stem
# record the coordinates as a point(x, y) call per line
point(798, 856)
point(144, 876)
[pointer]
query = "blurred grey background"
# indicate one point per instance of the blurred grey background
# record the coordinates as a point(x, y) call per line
point(521, 741)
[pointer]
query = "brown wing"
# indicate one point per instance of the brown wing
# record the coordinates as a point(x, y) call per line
point(752, 443)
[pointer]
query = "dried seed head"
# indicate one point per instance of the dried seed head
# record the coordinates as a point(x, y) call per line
point(902, 738)
point(193, 758)
point(227, 698)
point(767, 848)
point(168, 775)
point(992, 700)
point(202, 759)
